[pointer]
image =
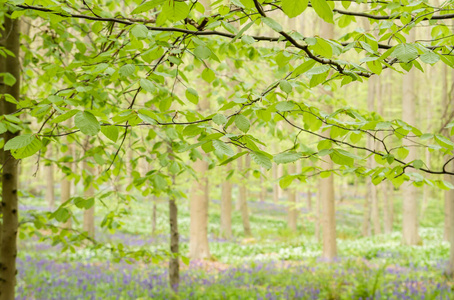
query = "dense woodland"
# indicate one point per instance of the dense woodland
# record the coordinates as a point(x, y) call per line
point(230, 149)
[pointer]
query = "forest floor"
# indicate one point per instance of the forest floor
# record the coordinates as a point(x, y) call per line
point(275, 264)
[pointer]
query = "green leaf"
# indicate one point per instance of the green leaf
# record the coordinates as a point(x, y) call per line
point(444, 142)
point(285, 86)
point(220, 119)
point(405, 52)
point(147, 6)
point(261, 159)
point(185, 260)
point(147, 85)
point(140, 31)
point(9, 79)
point(242, 123)
point(286, 181)
point(192, 95)
point(340, 158)
point(285, 106)
point(202, 52)
point(89, 203)
point(242, 30)
point(147, 116)
point(323, 10)
point(272, 24)
point(87, 123)
point(65, 116)
point(375, 66)
point(3, 128)
point(293, 8)
point(127, 70)
point(208, 75)
point(286, 157)
point(19, 142)
point(223, 148)
point(324, 144)
point(230, 159)
point(111, 132)
point(23, 146)
point(61, 215)
point(175, 10)
point(418, 164)
point(304, 67)
point(402, 152)
point(430, 57)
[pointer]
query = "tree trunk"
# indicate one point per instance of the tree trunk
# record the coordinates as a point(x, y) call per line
point(410, 194)
point(318, 216)
point(174, 265)
point(89, 214)
point(309, 198)
point(50, 192)
point(291, 209)
point(276, 184)
point(226, 207)
point(450, 194)
point(327, 184)
point(242, 197)
point(10, 40)
point(198, 238)
point(153, 217)
point(388, 206)
point(263, 191)
point(447, 194)
point(65, 195)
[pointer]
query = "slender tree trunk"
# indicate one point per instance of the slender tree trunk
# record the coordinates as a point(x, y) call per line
point(263, 191)
point(450, 221)
point(65, 183)
point(387, 202)
point(8, 246)
point(243, 194)
point(65, 195)
point(327, 184)
point(50, 191)
point(198, 240)
point(318, 215)
point(309, 198)
point(276, 184)
point(291, 209)
point(226, 206)
point(410, 194)
point(174, 265)
point(153, 217)
point(447, 194)
point(370, 188)
point(89, 214)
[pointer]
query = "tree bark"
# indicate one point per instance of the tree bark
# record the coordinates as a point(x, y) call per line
point(327, 184)
point(410, 194)
point(242, 197)
point(153, 217)
point(198, 238)
point(226, 207)
point(263, 190)
point(318, 215)
point(276, 184)
point(89, 214)
point(291, 209)
point(174, 265)
point(50, 191)
point(10, 39)
point(65, 195)
point(309, 198)
point(66, 184)
point(447, 194)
